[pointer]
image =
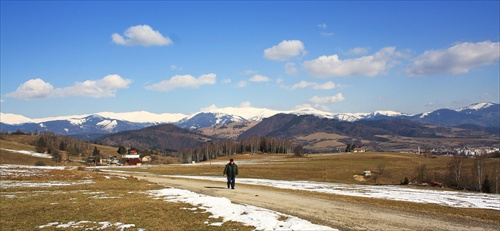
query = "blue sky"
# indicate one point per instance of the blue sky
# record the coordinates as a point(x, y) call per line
point(68, 58)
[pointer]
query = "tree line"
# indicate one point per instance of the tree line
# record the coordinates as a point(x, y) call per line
point(225, 147)
point(57, 145)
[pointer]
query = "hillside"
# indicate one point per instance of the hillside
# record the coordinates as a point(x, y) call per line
point(165, 136)
point(326, 135)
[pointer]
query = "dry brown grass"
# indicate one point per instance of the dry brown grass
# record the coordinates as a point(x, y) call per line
point(112, 200)
point(338, 168)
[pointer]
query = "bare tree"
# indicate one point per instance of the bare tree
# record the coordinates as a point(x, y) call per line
point(381, 168)
point(455, 170)
point(421, 171)
point(479, 170)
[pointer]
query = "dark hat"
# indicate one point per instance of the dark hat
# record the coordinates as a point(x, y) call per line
point(231, 160)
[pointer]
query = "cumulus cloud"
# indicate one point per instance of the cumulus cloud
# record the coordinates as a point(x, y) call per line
point(460, 58)
point(259, 78)
point(285, 50)
point(142, 35)
point(105, 87)
point(371, 65)
point(33, 89)
point(183, 81)
point(327, 99)
point(304, 84)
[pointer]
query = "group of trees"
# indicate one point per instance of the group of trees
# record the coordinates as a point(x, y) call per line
point(475, 174)
point(48, 142)
point(226, 147)
point(482, 175)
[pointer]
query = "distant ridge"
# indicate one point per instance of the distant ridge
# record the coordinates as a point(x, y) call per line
point(485, 115)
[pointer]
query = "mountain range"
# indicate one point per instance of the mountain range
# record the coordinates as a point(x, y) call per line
point(479, 116)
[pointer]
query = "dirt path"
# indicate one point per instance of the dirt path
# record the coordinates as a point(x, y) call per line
point(336, 214)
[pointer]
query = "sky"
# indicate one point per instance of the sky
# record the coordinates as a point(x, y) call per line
point(71, 58)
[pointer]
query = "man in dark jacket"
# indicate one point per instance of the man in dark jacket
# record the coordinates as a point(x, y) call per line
point(231, 170)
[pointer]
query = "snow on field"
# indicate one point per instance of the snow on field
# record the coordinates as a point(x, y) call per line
point(31, 153)
point(388, 192)
point(89, 225)
point(260, 218)
point(219, 207)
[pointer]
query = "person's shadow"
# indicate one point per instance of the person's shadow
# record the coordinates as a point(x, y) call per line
point(219, 187)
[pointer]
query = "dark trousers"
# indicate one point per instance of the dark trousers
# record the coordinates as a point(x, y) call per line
point(230, 181)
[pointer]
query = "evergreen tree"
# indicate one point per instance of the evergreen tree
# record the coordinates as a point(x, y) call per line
point(348, 148)
point(40, 145)
point(96, 152)
point(122, 150)
point(486, 187)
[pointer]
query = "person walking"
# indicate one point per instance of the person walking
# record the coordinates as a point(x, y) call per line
point(231, 170)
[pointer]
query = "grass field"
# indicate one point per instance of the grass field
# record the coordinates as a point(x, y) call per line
point(104, 199)
point(124, 200)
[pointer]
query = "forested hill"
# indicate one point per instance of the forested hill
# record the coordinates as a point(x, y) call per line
point(165, 136)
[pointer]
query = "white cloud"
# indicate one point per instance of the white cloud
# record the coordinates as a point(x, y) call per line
point(226, 81)
point(291, 69)
point(304, 84)
point(259, 78)
point(245, 104)
point(327, 34)
point(33, 89)
point(209, 108)
point(142, 35)
point(176, 68)
point(105, 87)
point(285, 50)
point(358, 51)
point(371, 65)
point(241, 84)
point(322, 26)
point(183, 81)
point(250, 72)
point(280, 80)
point(327, 99)
point(460, 58)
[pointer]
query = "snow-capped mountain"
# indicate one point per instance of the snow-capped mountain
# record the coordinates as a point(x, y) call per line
point(481, 114)
point(91, 124)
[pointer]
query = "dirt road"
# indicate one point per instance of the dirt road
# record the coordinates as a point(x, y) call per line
point(336, 214)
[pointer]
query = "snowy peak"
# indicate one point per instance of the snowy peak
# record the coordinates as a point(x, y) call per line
point(477, 106)
point(208, 119)
point(144, 116)
point(247, 113)
point(313, 111)
point(13, 119)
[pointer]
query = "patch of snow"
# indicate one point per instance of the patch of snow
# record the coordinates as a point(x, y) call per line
point(260, 218)
point(476, 106)
point(144, 116)
point(14, 119)
point(108, 125)
point(89, 225)
point(18, 184)
point(77, 121)
point(388, 192)
point(31, 153)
